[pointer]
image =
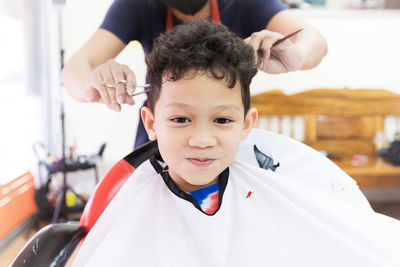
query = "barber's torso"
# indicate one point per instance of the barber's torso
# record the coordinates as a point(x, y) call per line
point(142, 21)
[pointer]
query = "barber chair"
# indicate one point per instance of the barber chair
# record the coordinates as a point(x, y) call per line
point(54, 244)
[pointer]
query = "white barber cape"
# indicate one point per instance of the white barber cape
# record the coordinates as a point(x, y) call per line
point(266, 218)
point(302, 163)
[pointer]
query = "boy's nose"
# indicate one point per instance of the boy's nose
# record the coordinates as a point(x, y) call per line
point(202, 137)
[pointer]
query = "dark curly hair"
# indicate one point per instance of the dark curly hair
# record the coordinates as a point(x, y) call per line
point(201, 46)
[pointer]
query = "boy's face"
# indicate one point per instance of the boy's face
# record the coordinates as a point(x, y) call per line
point(198, 122)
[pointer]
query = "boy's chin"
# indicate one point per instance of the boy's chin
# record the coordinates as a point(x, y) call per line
point(201, 182)
point(197, 183)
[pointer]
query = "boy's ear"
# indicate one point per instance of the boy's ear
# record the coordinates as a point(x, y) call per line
point(148, 122)
point(249, 122)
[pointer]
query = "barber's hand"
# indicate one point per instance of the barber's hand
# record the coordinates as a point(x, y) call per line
point(284, 57)
point(113, 84)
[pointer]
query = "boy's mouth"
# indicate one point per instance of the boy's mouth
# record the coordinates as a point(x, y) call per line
point(201, 162)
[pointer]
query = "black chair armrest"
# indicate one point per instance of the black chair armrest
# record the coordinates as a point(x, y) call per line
point(51, 246)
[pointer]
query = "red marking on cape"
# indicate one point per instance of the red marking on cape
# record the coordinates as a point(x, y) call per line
point(214, 198)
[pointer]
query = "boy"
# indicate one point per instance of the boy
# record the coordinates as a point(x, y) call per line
point(197, 206)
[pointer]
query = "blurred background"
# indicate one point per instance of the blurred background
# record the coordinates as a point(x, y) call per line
point(363, 53)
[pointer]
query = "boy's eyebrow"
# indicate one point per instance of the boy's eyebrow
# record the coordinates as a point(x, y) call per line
point(230, 106)
point(221, 107)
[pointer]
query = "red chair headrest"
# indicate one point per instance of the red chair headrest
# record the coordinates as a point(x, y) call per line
point(112, 183)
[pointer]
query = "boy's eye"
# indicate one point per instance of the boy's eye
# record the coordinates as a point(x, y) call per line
point(181, 120)
point(222, 120)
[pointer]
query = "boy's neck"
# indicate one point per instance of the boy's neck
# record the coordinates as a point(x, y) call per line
point(186, 187)
point(203, 13)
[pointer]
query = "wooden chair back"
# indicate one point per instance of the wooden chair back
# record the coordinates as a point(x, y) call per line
point(342, 122)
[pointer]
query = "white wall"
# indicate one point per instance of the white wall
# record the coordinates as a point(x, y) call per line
point(29, 79)
point(91, 124)
point(363, 53)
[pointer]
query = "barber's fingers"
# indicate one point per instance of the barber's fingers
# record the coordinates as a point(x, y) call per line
point(119, 82)
point(262, 43)
point(264, 51)
point(95, 81)
point(124, 80)
point(130, 80)
point(256, 38)
point(273, 65)
point(129, 100)
point(109, 82)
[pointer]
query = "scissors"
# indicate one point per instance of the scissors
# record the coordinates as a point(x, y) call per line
point(142, 92)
